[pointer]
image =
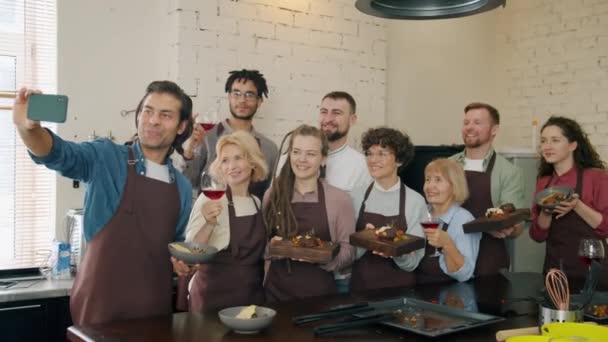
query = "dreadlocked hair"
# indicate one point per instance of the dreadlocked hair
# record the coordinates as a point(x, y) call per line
point(245, 75)
point(278, 214)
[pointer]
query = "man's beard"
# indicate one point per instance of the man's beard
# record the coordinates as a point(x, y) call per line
point(248, 117)
point(335, 136)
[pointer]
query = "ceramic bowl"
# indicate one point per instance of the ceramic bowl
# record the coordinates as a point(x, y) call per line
point(178, 250)
point(565, 191)
point(247, 326)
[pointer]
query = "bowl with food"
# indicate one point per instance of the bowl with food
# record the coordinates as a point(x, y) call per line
point(551, 197)
point(247, 319)
point(192, 253)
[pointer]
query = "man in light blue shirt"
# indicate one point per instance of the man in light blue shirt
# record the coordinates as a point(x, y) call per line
point(135, 204)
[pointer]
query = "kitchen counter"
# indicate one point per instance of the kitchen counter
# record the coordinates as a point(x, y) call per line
point(486, 295)
point(36, 289)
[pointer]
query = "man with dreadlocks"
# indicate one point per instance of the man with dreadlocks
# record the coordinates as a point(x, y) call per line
point(246, 90)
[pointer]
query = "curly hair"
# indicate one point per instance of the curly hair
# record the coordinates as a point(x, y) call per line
point(245, 75)
point(585, 156)
point(399, 143)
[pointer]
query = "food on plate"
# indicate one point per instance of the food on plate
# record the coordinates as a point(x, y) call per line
point(600, 311)
point(390, 233)
point(552, 199)
point(500, 212)
point(184, 249)
point(307, 240)
point(507, 208)
point(247, 313)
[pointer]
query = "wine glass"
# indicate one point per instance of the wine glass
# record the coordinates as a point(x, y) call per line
point(210, 187)
point(208, 120)
point(590, 249)
point(431, 222)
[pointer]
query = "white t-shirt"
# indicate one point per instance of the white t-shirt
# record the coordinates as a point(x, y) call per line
point(157, 171)
point(346, 169)
point(473, 165)
point(220, 236)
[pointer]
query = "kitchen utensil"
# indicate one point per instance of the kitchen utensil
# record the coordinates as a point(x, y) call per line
point(185, 251)
point(353, 323)
point(334, 312)
point(503, 335)
point(247, 326)
point(548, 315)
point(556, 283)
point(593, 333)
point(550, 197)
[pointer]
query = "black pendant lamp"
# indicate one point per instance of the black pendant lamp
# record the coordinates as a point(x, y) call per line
point(426, 9)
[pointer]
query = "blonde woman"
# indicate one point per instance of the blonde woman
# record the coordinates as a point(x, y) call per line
point(445, 189)
point(234, 225)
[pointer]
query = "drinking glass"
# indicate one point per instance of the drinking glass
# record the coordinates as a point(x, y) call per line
point(210, 187)
point(208, 120)
point(431, 222)
point(590, 249)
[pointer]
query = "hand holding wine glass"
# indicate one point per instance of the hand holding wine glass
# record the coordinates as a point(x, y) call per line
point(590, 249)
point(431, 222)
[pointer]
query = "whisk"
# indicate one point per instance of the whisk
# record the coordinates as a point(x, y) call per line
point(556, 283)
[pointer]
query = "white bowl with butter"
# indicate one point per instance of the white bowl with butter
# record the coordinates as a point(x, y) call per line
point(247, 319)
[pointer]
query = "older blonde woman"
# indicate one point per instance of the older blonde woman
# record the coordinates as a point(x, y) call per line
point(234, 225)
point(445, 188)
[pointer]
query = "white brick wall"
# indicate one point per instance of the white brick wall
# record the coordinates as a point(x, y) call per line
point(553, 59)
point(305, 48)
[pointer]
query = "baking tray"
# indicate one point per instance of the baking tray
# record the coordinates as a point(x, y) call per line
point(485, 224)
point(321, 254)
point(437, 320)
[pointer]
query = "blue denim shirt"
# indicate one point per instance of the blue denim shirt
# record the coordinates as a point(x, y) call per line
point(467, 244)
point(102, 166)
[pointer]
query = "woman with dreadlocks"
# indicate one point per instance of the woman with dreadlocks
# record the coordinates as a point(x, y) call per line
point(300, 201)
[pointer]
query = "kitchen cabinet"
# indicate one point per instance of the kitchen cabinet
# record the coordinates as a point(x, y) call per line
point(35, 320)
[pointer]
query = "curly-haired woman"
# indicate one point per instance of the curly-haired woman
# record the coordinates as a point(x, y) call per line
point(569, 159)
point(387, 201)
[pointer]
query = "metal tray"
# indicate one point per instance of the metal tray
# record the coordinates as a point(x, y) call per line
point(436, 320)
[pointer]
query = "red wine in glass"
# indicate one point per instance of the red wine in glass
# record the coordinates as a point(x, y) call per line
point(213, 194)
point(587, 260)
point(430, 225)
point(207, 126)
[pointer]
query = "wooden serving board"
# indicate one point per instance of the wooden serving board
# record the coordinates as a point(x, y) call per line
point(367, 239)
point(484, 224)
point(321, 254)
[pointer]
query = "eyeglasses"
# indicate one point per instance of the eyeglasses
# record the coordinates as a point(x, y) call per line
point(249, 96)
point(381, 154)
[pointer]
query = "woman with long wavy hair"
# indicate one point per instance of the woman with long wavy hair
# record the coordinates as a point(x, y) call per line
point(569, 159)
point(300, 201)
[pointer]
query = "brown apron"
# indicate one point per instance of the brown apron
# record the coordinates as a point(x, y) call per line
point(126, 271)
point(234, 276)
point(429, 271)
point(562, 243)
point(372, 271)
point(492, 251)
point(305, 279)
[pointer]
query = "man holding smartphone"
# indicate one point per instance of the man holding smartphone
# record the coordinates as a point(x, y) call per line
point(135, 204)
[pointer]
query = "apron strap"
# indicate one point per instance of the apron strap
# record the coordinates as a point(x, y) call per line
point(131, 180)
point(491, 163)
point(367, 192)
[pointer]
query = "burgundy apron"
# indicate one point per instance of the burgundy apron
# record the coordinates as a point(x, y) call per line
point(126, 271)
point(372, 271)
point(429, 271)
point(305, 279)
point(562, 243)
point(492, 251)
point(234, 276)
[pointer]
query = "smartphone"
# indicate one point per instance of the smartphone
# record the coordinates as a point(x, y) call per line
point(49, 108)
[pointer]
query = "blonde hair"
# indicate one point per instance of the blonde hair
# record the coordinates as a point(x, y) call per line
point(453, 172)
point(251, 151)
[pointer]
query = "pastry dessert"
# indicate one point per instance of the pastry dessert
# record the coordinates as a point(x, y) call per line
point(184, 249)
point(390, 233)
point(500, 212)
point(552, 199)
point(308, 240)
point(247, 313)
